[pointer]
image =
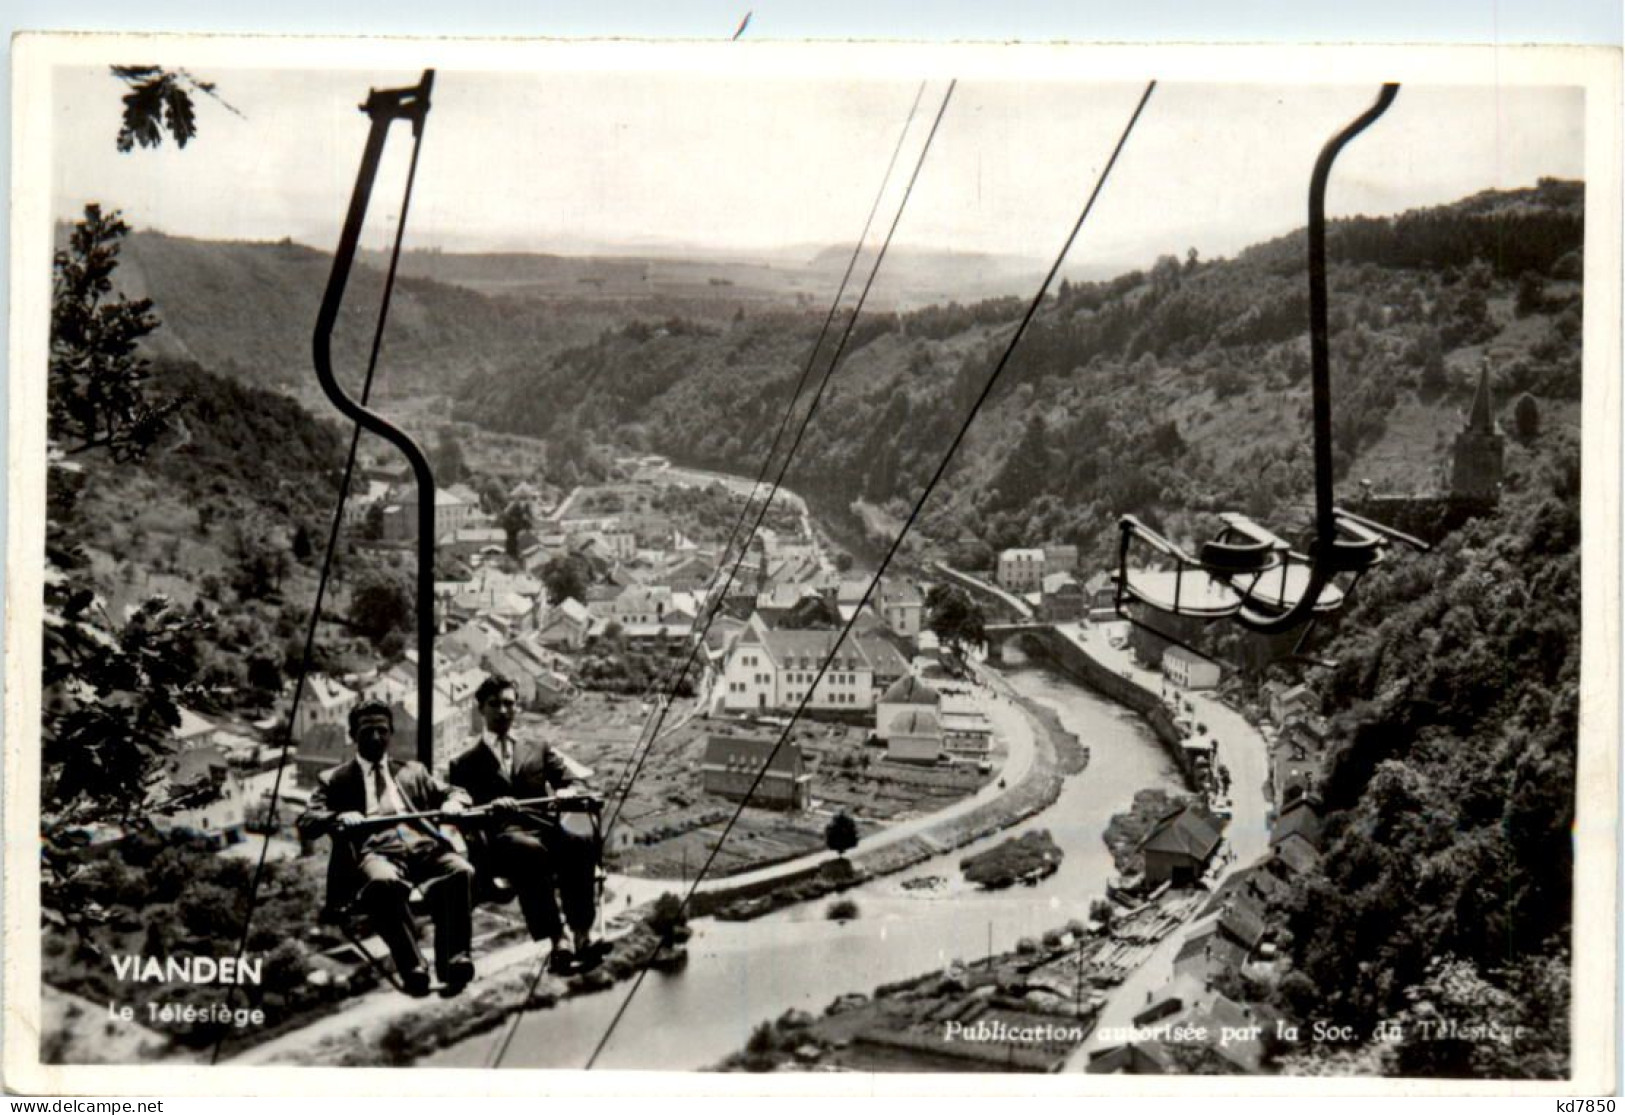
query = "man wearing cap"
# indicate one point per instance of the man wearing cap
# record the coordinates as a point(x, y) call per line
point(547, 865)
point(375, 864)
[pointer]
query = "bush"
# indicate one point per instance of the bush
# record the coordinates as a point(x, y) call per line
point(843, 909)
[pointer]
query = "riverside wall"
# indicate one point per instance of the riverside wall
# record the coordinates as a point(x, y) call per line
point(1072, 660)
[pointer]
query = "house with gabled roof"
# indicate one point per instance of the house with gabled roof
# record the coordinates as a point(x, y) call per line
point(886, 662)
point(1137, 1058)
point(1178, 848)
point(1296, 756)
point(732, 765)
point(1286, 702)
point(914, 735)
point(688, 573)
point(1207, 953)
point(1299, 823)
point(904, 695)
point(901, 605)
point(770, 668)
point(325, 701)
point(565, 626)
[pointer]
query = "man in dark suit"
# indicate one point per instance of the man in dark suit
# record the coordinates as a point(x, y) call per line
point(375, 866)
point(547, 865)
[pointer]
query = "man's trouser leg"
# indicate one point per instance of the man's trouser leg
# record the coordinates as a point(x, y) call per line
point(575, 868)
point(524, 859)
point(448, 885)
point(383, 898)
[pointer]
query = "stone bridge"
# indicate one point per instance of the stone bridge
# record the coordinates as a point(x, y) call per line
point(998, 634)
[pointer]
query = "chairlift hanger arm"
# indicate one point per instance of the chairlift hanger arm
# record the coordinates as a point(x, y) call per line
point(1324, 558)
point(384, 107)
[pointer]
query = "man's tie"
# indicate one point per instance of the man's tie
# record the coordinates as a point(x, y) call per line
point(385, 799)
point(505, 747)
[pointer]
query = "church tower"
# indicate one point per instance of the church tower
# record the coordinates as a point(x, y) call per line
point(1480, 449)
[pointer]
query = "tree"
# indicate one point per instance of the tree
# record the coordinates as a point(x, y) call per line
point(493, 496)
point(1165, 275)
point(265, 675)
point(516, 517)
point(841, 834)
point(1428, 354)
point(565, 578)
point(372, 523)
point(110, 691)
point(1526, 417)
point(667, 918)
point(97, 393)
point(1102, 911)
point(449, 465)
point(1531, 294)
point(1026, 471)
point(260, 566)
point(380, 607)
point(955, 618)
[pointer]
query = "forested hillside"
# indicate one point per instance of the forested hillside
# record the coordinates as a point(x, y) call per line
point(1444, 894)
point(247, 311)
point(1165, 393)
point(226, 517)
point(1445, 890)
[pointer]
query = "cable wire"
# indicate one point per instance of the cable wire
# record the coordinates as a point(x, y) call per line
point(806, 420)
point(919, 504)
point(327, 565)
point(623, 782)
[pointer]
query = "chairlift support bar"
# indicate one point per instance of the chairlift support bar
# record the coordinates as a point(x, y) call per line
point(1323, 554)
point(589, 805)
point(384, 107)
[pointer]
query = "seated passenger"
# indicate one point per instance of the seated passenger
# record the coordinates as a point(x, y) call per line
point(545, 864)
point(374, 867)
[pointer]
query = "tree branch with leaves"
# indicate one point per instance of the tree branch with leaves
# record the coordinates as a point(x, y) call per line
point(161, 101)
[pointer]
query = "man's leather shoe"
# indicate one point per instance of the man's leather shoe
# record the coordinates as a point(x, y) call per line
point(561, 960)
point(456, 974)
point(415, 982)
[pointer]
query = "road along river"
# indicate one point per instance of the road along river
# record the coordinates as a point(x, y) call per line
point(743, 973)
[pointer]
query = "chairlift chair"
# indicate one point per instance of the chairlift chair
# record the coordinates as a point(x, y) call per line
point(489, 888)
point(1246, 573)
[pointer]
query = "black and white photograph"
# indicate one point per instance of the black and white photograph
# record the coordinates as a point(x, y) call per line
point(812, 559)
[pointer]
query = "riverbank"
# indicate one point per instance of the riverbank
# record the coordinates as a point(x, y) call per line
point(386, 1028)
point(1025, 1010)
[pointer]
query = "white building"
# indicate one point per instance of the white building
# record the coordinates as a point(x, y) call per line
point(1021, 570)
point(966, 729)
point(902, 606)
point(774, 669)
point(1188, 670)
point(915, 736)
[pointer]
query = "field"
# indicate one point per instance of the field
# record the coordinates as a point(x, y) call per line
point(677, 823)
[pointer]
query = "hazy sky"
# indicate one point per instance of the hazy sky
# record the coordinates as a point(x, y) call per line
point(577, 160)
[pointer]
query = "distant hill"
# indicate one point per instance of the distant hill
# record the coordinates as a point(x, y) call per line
point(702, 283)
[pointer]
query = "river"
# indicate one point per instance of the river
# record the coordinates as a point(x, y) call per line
point(742, 973)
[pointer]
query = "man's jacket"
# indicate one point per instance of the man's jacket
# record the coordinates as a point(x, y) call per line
point(344, 790)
